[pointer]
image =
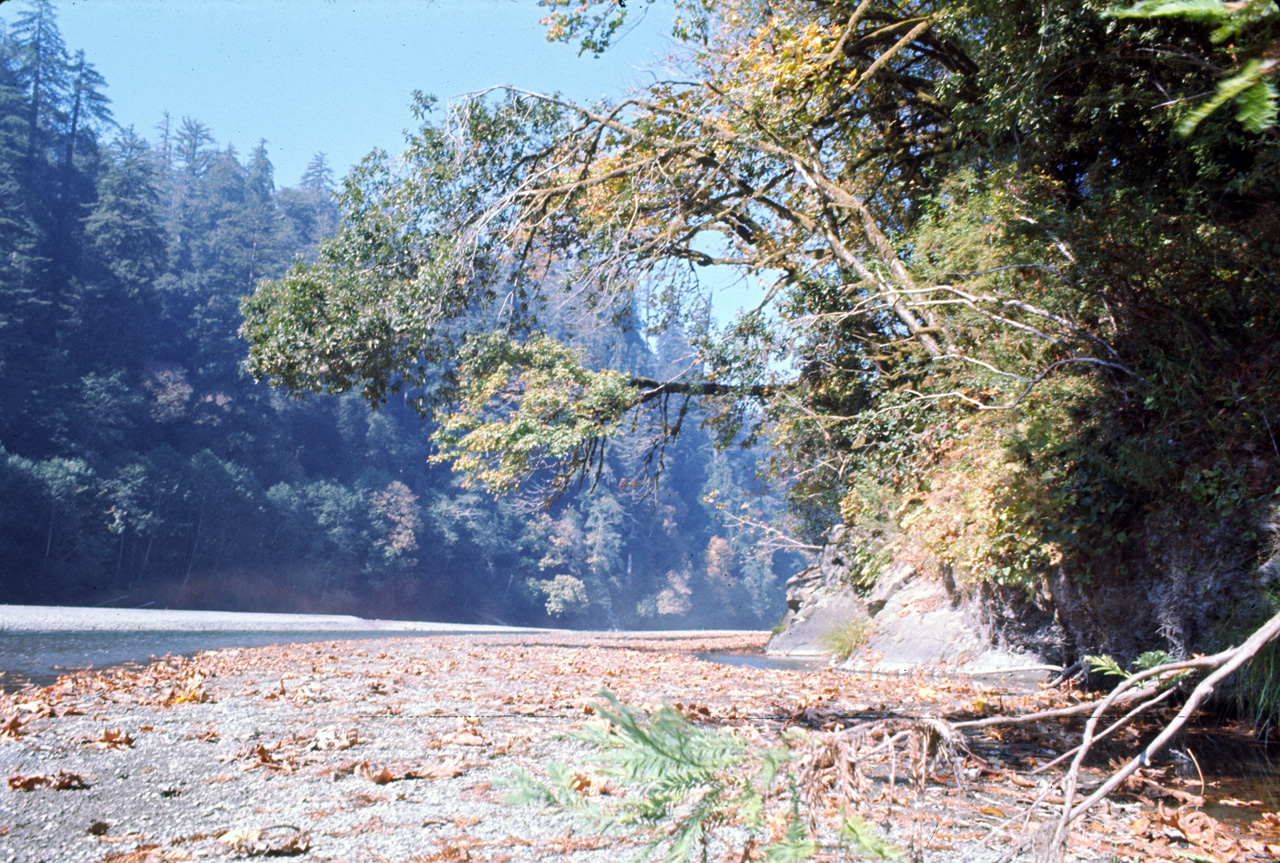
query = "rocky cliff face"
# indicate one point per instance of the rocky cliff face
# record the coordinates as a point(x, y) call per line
point(913, 620)
point(1188, 587)
point(1177, 596)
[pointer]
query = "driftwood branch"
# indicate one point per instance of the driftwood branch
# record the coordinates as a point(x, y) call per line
point(1220, 665)
point(1140, 693)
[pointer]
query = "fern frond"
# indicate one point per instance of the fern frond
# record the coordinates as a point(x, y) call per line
point(682, 782)
point(1106, 666)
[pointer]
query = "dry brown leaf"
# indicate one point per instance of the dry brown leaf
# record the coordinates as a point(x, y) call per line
point(446, 769)
point(147, 854)
point(12, 728)
point(279, 841)
point(381, 776)
point(262, 757)
point(465, 737)
point(113, 738)
point(192, 693)
point(60, 781)
point(38, 709)
point(589, 785)
point(331, 740)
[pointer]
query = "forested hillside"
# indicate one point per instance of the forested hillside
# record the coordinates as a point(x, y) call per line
point(140, 464)
point(1019, 264)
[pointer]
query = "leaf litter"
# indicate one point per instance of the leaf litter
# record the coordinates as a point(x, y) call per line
point(508, 700)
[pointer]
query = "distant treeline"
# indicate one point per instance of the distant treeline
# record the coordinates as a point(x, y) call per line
point(139, 464)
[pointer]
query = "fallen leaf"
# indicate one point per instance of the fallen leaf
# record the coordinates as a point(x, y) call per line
point(379, 777)
point(147, 854)
point(12, 728)
point(332, 740)
point(235, 837)
point(268, 842)
point(113, 738)
point(446, 769)
point(60, 781)
point(195, 694)
point(465, 737)
point(39, 709)
point(589, 785)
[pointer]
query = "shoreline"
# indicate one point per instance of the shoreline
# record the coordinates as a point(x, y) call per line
point(68, 618)
point(57, 618)
point(398, 749)
point(39, 643)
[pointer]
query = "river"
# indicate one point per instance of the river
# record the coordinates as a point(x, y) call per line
point(37, 643)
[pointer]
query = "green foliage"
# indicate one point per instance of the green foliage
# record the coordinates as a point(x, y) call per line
point(501, 440)
point(142, 465)
point(681, 783)
point(1011, 319)
point(1107, 666)
point(565, 595)
point(1253, 22)
point(864, 839)
point(1255, 689)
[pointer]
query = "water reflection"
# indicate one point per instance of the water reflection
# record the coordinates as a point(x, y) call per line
point(756, 660)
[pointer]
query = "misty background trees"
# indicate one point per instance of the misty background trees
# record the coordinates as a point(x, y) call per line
point(140, 464)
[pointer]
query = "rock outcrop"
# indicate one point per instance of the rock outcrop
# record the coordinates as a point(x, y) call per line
point(915, 620)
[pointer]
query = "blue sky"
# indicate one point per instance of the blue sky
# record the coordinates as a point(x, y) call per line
point(337, 75)
point(326, 75)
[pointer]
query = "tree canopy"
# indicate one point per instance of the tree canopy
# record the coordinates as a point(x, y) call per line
point(998, 278)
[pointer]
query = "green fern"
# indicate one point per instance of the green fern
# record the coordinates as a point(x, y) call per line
point(1106, 666)
point(682, 782)
point(866, 840)
point(1151, 659)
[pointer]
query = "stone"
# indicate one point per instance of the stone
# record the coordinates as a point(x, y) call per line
point(919, 622)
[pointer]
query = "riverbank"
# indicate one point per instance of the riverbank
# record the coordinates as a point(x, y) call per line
point(396, 749)
point(37, 643)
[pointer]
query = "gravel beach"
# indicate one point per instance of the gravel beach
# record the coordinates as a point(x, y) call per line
point(396, 749)
point(391, 749)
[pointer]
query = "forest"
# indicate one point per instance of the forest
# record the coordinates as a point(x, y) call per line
point(1018, 267)
point(142, 465)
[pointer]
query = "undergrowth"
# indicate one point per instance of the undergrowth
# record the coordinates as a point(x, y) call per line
point(686, 790)
point(1257, 690)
